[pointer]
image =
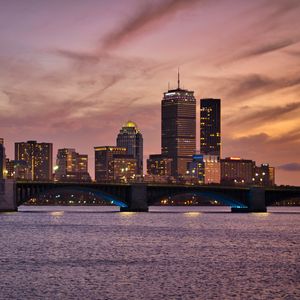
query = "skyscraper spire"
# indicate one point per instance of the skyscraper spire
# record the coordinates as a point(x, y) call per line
point(178, 80)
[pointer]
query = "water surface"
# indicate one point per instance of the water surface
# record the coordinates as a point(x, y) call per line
point(169, 253)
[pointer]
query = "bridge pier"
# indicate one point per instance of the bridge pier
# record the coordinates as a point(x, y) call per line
point(8, 195)
point(256, 201)
point(137, 200)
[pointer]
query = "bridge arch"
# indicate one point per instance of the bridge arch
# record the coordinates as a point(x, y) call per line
point(220, 197)
point(112, 199)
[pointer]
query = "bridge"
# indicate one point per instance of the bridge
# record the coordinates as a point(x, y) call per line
point(139, 196)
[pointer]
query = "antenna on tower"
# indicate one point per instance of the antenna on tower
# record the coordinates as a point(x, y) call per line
point(178, 80)
point(168, 85)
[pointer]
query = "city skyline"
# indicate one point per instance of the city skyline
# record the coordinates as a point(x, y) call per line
point(83, 77)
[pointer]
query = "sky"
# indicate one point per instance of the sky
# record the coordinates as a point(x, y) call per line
point(72, 72)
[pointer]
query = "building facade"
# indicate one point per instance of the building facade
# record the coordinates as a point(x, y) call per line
point(131, 138)
point(206, 169)
point(235, 170)
point(18, 170)
point(210, 126)
point(114, 164)
point(159, 165)
point(178, 131)
point(264, 175)
point(38, 157)
point(123, 168)
point(71, 166)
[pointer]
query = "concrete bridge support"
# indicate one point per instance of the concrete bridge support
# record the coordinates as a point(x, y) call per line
point(137, 199)
point(8, 195)
point(256, 201)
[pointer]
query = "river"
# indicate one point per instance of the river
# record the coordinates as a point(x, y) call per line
point(168, 253)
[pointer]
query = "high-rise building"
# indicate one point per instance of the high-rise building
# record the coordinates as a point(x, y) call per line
point(205, 168)
point(178, 131)
point(114, 164)
point(38, 157)
point(71, 166)
point(235, 170)
point(2, 159)
point(210, 126)
point(131, 138)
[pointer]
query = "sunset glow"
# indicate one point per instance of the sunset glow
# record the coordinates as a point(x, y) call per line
point(73, 72)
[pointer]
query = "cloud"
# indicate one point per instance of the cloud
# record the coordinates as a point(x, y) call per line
point(295, 53)
point(249, 84)
point(239, 88)
point(294, 167)
point(148, 15)
point(266, 48)
point(265, 114)
point(264, 144)
point(83, 57)
point(255, 84)
point(291, 138)
point(282, 7)
point(267, 32)
point(288, 140)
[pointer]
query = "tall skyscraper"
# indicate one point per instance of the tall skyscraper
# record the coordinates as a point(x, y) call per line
point(71, 166)
point(210, 126)
point(2, 159)
point(131, 138)
point(178, 131)
point(38, 157)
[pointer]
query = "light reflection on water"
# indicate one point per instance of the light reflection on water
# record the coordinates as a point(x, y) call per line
point(170, 253)
point(127, 213)
point(56, 213)
point(192, 213)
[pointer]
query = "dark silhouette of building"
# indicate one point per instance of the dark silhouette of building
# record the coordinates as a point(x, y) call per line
point(178, 131)
point(264, 175)
point(114, 164)
point(71, 166)
point(38, 157)
point(131, 138)
point(210, 126)
point(2, 159)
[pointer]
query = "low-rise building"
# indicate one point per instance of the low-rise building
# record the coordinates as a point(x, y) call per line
point(264, 175)
point(114, 164)
point(18, 170)
point(205, 169)
point(71, 166)
point(235, 170)
point(159, 165)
